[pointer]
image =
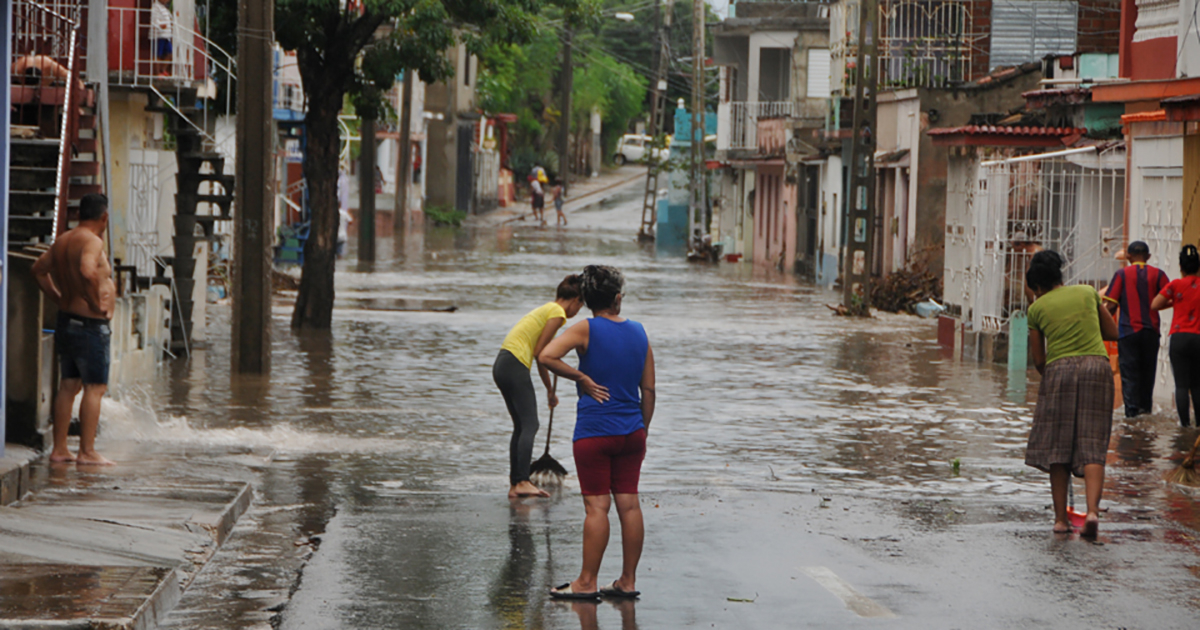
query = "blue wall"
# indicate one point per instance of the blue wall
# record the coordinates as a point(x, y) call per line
point(5, 95)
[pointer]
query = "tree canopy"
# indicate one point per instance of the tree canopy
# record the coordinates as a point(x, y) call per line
point(357, 48)
point(614, 68)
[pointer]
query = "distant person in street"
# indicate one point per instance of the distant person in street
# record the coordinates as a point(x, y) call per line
point(561, 219)
point(537, 199)
point(511, 372)
point(1073, 418)
point(76, 275)
point(1131, 290)
point(380, 182)
point(344, 216)
point(162, 35)
point(1184, 296)
point(616, 403)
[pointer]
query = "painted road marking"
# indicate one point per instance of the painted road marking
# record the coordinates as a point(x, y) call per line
point(858, 603)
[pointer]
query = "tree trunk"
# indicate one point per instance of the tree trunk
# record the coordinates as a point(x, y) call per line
point(314, 303)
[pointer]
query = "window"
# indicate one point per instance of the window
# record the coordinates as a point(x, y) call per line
point(818, 73)
point(1027, 30)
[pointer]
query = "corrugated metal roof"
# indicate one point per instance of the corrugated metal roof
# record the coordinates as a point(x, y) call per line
point(974, 130)
point(1027, 30)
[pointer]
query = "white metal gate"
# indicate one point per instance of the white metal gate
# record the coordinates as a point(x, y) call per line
point(142, 229)
point(1161, 224)
point(1073, 204)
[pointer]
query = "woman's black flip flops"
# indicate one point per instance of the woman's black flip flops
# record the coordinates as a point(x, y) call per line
point(612, 590)
point(565, 592)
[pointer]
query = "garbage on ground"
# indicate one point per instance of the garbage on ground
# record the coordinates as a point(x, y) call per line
point(928, 309)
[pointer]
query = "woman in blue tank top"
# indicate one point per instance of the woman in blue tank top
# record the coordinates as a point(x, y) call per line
point(615, 381)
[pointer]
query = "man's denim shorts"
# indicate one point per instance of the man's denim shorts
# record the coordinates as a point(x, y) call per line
point(83, 348)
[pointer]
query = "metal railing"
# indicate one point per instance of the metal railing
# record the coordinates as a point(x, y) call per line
point(194, 58)
point(1067, 204)
point(922, 43)
point(743, 119)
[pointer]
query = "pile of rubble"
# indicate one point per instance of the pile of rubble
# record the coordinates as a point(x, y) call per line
point(901, 290)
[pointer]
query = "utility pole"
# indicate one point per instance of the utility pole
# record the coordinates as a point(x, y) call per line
point(658, 107)
point(860, 242)
point(698, 199)
point(255, 189)
point(366, 192)
point(567, 83)
point(403, 160)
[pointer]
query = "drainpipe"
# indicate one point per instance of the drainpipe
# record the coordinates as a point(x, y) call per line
point(1128, 182)
point(5, 97)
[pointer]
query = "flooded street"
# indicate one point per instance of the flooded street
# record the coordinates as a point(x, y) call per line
point(786, 441)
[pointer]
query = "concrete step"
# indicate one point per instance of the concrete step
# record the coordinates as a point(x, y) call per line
point(32, 177)
point(24, 203)
point(79, 190)
point(112, 550)
point(21, 229)
point(34, 152)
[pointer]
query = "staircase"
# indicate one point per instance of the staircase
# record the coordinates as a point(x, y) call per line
point(33, 176)
point(198, 165)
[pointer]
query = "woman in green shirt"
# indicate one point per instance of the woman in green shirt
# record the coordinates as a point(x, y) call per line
point(1073, 418)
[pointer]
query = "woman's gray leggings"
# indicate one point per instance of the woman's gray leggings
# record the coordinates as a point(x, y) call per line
point(515, 383)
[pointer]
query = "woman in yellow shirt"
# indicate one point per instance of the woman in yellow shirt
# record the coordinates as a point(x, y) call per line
point(511, 373)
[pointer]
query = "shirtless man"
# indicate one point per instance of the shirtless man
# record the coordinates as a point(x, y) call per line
point(76, 275)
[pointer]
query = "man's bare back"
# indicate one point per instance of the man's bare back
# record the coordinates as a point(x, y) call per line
point(81, 276)
point(75, 273)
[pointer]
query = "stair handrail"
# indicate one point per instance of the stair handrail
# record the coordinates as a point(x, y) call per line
point(163, 98)
point(68, 130)
point(231, 60)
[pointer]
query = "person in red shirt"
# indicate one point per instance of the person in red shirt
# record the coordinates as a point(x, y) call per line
point(1131, 290)
point(1184, 296)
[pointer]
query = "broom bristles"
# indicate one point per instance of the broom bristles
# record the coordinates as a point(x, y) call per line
point(1185, 473)
point(546, 471)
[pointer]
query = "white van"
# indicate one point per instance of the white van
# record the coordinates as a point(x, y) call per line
point(633, 147)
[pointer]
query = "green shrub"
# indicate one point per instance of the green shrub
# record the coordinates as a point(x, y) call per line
point(445, 215)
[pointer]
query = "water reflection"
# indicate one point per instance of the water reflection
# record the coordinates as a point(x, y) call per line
point(511, 592)
point(587, 613)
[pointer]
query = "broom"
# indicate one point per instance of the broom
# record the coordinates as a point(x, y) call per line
point(1185, 473)
point(546, 471)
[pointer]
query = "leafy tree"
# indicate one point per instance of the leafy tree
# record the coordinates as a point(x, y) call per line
point(356, 48)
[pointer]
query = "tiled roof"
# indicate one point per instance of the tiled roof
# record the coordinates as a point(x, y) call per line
point(975, 130)
point(1154, 116)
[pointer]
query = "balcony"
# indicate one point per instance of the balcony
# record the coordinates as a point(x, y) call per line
point(922, 43)
point(739, 123)
point(132, 61)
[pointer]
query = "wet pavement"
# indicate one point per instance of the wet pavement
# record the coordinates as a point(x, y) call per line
point(798, 461)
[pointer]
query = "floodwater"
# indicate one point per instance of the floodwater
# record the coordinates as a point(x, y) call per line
point(784, 438)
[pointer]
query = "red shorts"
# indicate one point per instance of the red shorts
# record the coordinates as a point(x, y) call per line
point(611, 464)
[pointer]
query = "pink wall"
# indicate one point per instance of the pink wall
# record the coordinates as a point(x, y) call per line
point(774, 218)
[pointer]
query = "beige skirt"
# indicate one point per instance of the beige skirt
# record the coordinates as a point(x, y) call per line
point(1073, 419)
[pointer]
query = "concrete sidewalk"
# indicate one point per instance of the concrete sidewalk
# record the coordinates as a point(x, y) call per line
point(109, 547)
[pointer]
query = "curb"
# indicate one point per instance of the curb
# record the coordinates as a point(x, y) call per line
point(15, 478)
point(148, 614)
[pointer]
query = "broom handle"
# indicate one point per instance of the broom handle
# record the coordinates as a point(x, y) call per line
point(550, 423)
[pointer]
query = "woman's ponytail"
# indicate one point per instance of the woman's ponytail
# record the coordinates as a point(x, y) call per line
point(1189, 259)
point(1045, 271)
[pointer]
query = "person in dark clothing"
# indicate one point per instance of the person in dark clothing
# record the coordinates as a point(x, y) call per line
point(1132, 290)
point(1184, 296)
